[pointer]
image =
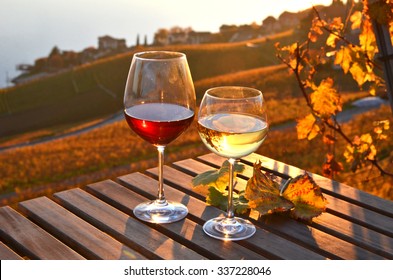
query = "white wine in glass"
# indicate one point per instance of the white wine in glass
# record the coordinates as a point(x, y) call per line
point(232, 123)
point(159, 105)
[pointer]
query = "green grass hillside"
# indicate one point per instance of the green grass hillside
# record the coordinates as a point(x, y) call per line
point(96, 90)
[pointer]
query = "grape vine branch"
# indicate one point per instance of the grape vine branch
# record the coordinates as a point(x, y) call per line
point(323, 99)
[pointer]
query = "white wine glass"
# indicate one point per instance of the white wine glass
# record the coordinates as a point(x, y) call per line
point(159, 104)
point(232, 123)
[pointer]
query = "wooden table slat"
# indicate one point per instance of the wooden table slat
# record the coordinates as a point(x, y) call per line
point(31, 240)
point(7, 254)
point(263, 240)
point(357, 234)
point(360, 215)
point(75, 232)
point(185, 231)
point(193, 166)
point(128, 230)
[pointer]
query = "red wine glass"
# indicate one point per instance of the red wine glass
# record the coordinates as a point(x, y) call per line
point(159, 104)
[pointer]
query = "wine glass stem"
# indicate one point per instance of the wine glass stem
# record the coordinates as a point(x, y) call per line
point(230, 213)
point(161, 196)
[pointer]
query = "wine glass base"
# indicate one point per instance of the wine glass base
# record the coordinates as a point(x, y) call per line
point(160, 213)
point(229, 228)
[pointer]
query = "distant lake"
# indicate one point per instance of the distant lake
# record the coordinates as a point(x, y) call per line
point(30, 29)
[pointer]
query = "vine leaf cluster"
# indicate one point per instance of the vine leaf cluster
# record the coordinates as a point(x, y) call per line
point(300, 198)
point(357, 59)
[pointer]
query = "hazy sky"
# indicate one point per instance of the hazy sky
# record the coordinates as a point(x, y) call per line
point(29, 29)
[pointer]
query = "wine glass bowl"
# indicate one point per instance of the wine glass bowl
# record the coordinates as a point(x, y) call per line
point(232, 123)
point(159, 105)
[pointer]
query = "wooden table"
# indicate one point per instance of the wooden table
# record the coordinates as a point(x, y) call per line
point(96, 222)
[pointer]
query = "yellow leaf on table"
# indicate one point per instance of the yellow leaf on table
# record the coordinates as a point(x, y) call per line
point(263, 193)
point(214, 178)
point(307, 197)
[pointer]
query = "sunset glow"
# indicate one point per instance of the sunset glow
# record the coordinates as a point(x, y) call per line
point(30, 29)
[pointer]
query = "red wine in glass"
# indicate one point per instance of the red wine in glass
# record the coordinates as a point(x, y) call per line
point(159, 105)
point(158, 123)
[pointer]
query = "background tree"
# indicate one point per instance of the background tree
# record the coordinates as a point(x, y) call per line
point(145, 41)
point(161, 37)
point(55, 60)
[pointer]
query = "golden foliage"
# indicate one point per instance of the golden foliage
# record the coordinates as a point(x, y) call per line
point(263, 193)
point(308, 155)
point(306, 196)
point(325, 99)
point(307, 127)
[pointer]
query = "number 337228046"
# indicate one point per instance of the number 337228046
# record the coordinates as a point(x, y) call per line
point(244, 270)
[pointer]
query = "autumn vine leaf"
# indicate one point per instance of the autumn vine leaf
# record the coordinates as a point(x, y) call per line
point(345, 42)
point(302, 198)
point(325, 99)
point(263, 193)
point(308, 127)
point(356, 20)
point(336, 26)
point(215, 178)
point(362, 149)
point(213, 185)
point(306, 196)
point(344, 58)
point(331, 166)
point(220, 200)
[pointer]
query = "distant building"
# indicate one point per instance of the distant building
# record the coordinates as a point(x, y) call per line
point(108, 43)
point(161, 37)
point(227, 31)
point(270, 25)
point(88, 54)
point(199, 37)
point(179, 37)
point(288, 20)
point(58, 60)
point(246, 32)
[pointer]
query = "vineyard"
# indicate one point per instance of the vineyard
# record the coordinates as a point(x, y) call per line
point(112, 150)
